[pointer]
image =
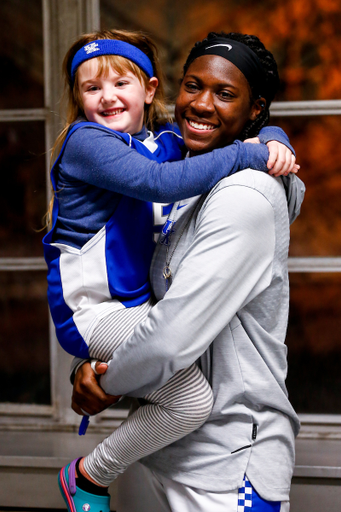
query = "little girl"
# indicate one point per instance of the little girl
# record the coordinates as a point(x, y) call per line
point(114, 157)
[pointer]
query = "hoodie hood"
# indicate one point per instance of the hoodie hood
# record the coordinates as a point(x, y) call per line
point(295, 190)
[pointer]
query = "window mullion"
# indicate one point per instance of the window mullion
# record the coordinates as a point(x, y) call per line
point(314, 264)
point(306, 108)
point(63, 22)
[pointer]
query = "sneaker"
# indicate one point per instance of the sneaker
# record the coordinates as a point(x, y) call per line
point(76, 499)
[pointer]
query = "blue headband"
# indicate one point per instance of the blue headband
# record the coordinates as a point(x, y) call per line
point(111, 47)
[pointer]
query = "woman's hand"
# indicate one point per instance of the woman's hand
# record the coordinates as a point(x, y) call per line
point(281, 160)
point(88, 397)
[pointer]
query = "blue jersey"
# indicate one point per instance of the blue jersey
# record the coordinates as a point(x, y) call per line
point(101, 244)
point(88, 283)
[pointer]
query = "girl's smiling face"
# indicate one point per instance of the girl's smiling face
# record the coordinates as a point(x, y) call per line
point(114, 100)
point(214, 104)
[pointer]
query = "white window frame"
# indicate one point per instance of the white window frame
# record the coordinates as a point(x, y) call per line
point(63, 21)
point(313, 425)
point(299, 109)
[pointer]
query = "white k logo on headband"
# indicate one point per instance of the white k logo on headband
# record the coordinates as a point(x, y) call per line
point(227, 45)
point(90, 48)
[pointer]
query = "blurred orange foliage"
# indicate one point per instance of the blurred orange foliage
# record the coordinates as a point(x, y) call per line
point(305, 37)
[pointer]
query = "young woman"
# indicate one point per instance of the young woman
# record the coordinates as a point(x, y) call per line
point(226, 304)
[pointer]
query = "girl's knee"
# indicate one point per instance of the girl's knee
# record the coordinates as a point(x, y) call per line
point(194, 409)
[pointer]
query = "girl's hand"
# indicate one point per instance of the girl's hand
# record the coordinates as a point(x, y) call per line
point(281, 160)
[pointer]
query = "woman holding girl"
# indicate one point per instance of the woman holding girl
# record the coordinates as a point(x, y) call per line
point(98, 250)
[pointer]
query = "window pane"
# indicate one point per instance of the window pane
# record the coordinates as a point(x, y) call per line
point(21, 54)
point(317, 231)
point(24, 335)
point(22, 194)
point(314, 344)
point(306, 52)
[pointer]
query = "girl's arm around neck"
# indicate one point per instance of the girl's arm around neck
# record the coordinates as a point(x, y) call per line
point(96, 157)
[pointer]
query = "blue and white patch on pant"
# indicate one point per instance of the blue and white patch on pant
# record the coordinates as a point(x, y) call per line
point(250, 501)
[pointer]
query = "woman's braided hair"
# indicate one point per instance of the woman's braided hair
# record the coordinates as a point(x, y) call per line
point(271, 72)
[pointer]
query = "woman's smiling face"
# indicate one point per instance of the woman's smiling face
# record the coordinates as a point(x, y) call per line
point(214, 104)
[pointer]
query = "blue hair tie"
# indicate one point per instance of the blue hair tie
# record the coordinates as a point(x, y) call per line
point(111, 47)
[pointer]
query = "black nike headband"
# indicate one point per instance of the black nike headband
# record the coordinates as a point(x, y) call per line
point(238, 54)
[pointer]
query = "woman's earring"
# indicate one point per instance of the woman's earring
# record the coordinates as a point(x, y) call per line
point(261, 104)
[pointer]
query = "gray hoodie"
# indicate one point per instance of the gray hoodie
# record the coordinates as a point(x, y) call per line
point(227, 308)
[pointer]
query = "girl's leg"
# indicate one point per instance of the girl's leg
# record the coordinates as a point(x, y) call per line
point(179, 407)
point(115, 328)
point(182, 405)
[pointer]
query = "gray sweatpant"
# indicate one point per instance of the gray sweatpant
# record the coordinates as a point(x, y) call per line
point(181, 406)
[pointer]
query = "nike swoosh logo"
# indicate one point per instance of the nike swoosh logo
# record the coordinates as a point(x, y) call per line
point(181, 206)
point(214, 45)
